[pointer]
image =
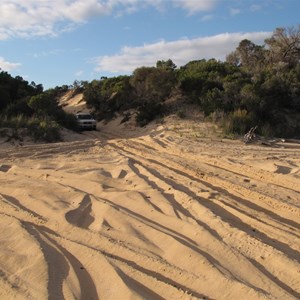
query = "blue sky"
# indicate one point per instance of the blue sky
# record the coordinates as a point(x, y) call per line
point(54, 42)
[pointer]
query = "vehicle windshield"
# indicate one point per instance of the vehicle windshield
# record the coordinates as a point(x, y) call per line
point(85, 117)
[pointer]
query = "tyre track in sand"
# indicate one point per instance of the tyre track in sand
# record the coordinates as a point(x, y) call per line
point(154, 217)
point(278, 233)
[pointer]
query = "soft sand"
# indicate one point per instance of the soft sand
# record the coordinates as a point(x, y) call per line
point(163, 212)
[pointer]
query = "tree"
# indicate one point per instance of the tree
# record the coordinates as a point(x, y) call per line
point(153, 83)
point(248, 55)
point(138, 80)
point(38, 103)
point(44, 103)
point(4, 98)
point(284, 47)
point(92, 94)
point(168, 65)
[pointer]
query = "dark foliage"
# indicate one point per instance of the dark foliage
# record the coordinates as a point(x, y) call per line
point(24, 105)
point(148, 111)
point(109, 95)
point(257, 85)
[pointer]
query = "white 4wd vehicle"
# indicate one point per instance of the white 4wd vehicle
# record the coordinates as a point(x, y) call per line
point(86, 121)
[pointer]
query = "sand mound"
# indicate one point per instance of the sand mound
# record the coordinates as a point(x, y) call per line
point(171, 212)
point(73, 103)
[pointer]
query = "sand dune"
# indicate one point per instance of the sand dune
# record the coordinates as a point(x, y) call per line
point(165, 213)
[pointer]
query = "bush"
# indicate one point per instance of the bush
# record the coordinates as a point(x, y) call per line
point(44, 130)
point(238, 122)
point(17, 108)
point(67, 120)
point(148, 111)
point(16, 122)
point(181, 114)
point(266, 130)
point(40, 129)
point(217, 117)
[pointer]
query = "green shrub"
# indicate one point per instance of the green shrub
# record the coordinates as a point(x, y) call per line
point(266, 130)
point(148, 111)
point(19, 107)
point(68, 121)
point(40, 129)
point(238, 122)
point(19, 121)
point(217, 117)
point(44, 130)
point(181, 114)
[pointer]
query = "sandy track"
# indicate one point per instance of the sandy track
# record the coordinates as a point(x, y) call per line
point(160, 216)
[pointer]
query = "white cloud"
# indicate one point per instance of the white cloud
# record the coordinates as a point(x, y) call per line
point(255, 7)
point(19, 18)
point(235, 11)
point(46, 17)
point(79, 73)
point(181, 51)
point(48, 53)
point(80, 11)
point(207, 18)
point(193, 6)
point(8, 66)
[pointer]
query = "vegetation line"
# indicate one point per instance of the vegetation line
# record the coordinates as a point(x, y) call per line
point(257, 85)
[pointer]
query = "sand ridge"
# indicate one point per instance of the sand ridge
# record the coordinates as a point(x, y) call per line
point(155, 213)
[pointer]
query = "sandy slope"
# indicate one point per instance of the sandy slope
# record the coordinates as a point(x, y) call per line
point(165, 213)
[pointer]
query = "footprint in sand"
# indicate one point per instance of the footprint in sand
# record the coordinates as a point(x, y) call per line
point(283, 169)
point(81, 216)
point(4, 168)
